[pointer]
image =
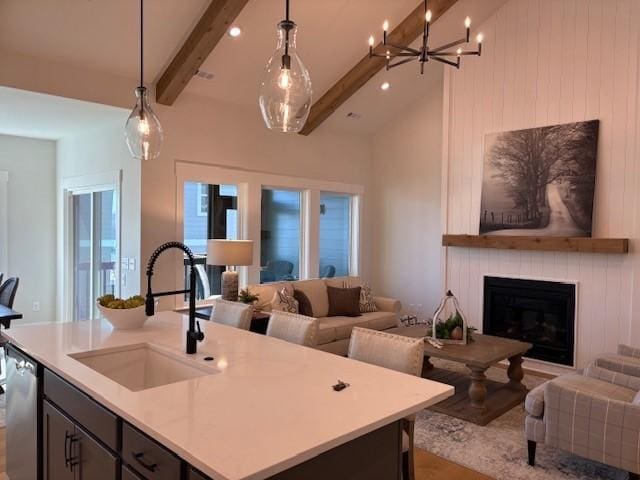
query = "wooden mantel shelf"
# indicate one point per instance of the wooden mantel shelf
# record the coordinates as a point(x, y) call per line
point(548, 244)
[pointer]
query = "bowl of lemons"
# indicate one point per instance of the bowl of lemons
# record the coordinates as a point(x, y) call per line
point(123, 314)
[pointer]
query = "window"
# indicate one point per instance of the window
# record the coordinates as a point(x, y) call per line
point(210, 211)
point(335, 234)
point(280, 235)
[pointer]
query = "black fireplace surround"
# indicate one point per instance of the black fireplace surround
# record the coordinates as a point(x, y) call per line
point(539, 312)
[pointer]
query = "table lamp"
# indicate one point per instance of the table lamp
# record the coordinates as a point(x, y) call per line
point(231, 254)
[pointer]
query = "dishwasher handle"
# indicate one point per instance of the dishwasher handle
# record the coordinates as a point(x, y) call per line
point(23, 365)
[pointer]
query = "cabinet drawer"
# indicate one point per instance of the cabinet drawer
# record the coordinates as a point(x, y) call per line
point(93, 417)
point(147, 457)
point(127, 474)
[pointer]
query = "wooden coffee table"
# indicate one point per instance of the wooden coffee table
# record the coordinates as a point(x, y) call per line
point(477, 399)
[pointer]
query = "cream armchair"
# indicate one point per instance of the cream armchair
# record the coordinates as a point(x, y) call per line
point(595, 415)
point(626, 361)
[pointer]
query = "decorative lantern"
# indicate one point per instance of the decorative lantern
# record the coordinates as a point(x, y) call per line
point(449, 323)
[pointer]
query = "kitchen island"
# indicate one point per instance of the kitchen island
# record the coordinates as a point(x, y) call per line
point(254, 407)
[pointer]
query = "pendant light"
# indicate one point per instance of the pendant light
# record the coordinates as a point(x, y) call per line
point(143, 130)
point(285, 91)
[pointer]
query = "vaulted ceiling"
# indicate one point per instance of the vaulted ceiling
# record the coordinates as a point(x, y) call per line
point(103, 36)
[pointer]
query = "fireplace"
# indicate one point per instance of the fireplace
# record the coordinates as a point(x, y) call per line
point(539, 312)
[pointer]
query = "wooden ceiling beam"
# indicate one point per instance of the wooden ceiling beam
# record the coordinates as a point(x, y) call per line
point(404, 34)
point(211, 27)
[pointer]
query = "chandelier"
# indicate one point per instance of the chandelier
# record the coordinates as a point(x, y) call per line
point(396, 55)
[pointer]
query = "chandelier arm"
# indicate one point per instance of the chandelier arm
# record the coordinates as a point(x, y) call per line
point(401, 62)
point(453, 54)
point(444, 60)
point(405, 49)
point(448, 45)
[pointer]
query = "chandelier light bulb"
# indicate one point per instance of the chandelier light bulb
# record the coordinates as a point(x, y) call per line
point(479, 38)
point(284, 80)
point(428, 16)
point(459, 52)
point(143, 131)
point(371, 41)
point(385, 86)
point(235, 31)
point(385, 25)
point(467, 22)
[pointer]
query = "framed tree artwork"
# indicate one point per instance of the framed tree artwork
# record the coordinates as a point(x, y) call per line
point(540, 181)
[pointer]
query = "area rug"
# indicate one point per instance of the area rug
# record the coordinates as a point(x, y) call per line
point(499, 449)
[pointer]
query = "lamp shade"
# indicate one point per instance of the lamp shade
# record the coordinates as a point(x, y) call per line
point(230, 252)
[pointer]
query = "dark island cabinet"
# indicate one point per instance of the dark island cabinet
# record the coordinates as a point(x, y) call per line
point(69, 453)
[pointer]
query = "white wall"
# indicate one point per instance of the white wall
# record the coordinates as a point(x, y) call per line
point(100, 151)
point(209, 132)
point(31, 167)
point(548, 62)
point(407, 155)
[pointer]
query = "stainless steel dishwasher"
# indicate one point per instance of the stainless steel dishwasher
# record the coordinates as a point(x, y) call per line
point(22, 398)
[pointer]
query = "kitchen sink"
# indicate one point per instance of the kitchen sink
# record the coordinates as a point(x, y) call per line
point(142, 366)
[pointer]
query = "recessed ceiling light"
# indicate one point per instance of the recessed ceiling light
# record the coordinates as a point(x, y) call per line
point(235, 31)
point(385, 86)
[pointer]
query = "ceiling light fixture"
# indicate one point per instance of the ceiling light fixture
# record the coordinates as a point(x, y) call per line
point(385, 86)
point(143, 131)
point(235, 31)
point(285, 90)
point(396, 55)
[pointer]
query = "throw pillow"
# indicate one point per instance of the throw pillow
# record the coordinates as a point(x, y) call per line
point(344, 301)
point(367, 304)
point(284, 301)
point(304, 304)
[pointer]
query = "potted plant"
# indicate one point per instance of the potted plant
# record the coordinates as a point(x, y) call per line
point(246, 296)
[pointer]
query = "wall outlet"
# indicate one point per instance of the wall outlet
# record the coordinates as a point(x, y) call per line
point(36, 306)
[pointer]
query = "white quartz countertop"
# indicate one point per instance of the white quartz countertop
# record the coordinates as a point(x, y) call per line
point(271, 406)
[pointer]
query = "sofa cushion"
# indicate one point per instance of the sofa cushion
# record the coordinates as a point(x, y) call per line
point(636, 399)
point(304, 304)
point(381, 320)
point(316, 292)
point(338, 328)
point(332, 329)
point(343, 301)
point(265, 293)
point(342, 282)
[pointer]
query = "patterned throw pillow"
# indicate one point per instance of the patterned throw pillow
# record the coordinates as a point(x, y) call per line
point(284, 301)
point(367, 304)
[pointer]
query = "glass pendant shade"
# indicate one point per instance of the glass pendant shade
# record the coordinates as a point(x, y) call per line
point(285, 90)
point(143, 130)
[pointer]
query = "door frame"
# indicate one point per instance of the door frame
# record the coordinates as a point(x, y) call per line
point(79, 185)
point(4, 222)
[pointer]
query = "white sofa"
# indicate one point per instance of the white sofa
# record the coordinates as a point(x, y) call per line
point(333, 332)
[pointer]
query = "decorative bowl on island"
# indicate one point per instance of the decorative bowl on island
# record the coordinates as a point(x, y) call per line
point(123, 314)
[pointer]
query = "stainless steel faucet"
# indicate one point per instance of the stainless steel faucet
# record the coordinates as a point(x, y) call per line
point(194, 334)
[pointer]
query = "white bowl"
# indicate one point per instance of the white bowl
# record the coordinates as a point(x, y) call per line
point(124, 318)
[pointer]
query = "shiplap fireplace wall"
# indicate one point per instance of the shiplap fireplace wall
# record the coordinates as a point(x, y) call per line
point(547, 62)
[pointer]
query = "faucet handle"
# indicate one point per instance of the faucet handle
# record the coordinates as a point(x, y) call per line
point(199, 335)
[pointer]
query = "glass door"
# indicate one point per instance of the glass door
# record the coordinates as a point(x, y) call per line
point(95, 250)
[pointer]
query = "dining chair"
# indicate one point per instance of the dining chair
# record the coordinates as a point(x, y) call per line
point(396, 352)
point(233, 314)
point(8, 291)
point(294, 328)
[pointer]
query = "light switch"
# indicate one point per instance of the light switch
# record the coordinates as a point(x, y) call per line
point(132, 264)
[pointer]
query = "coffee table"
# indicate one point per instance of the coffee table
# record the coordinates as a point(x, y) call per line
point(477, 399)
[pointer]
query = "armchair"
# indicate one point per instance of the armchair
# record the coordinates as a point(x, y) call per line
point(626, 361)
point(595, 415)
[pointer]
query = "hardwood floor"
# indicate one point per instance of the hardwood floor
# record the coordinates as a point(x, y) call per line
point(428, 466)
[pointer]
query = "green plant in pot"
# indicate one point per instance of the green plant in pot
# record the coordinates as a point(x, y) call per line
point(449, 323)
point(246, 296)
